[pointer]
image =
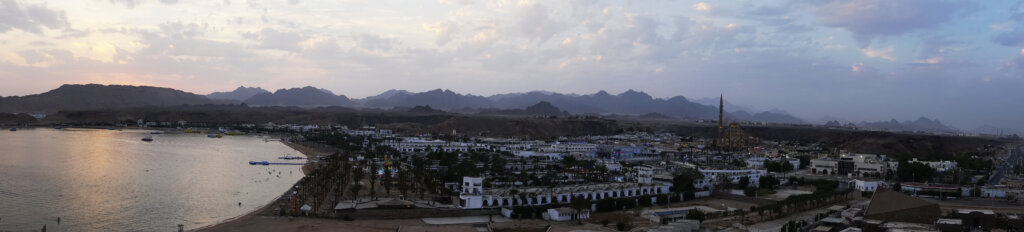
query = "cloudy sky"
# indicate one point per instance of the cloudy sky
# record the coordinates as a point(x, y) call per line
point(959, 61)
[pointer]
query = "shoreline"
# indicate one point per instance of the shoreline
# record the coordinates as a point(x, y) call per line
point(229, 223)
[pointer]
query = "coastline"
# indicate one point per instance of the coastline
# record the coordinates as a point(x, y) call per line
point(235, 222)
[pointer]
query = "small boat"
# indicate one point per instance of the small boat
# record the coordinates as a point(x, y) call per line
point(259, 163)
point(214, 135)
point(14, 129)
point(110, 128)
point(155, 132)
point(147, 138)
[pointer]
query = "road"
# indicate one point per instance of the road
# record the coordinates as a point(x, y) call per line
point(1006, 166)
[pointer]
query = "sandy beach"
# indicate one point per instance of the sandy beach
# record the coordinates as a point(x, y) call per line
point(264, 215)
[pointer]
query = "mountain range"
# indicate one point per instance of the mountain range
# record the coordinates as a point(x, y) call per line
point(93, 96)
point(240, 94)
point(631, 102)
point(305, 97)
point(921, 124)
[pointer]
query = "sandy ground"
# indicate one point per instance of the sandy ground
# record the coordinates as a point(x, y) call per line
point(259, 215)
point(284, 224)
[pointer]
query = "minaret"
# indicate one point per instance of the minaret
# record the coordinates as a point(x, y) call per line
point(721, 106)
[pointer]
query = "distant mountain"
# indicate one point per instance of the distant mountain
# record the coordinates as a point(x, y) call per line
point(94, 96)
point(442, 99)
point(304, 97)
point(425, 110)
point(540, 109)
point(993, 130)
point(381, 96)
point(729, 106)
point(738, 112)
point(655, 116)
point(767, 116)
point(242, 93)
point(629, 102)
point(828, 118)
point(921, 124)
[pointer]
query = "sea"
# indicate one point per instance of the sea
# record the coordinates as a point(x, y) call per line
point(111, 180)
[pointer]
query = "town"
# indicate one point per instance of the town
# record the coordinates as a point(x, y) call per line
point(647, 180)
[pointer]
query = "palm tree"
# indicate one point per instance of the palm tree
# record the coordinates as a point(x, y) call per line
point(355, 190)
point(388, 181)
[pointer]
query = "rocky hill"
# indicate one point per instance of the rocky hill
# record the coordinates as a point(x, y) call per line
point(240, 94)
point(94, 96)
point(303, 97)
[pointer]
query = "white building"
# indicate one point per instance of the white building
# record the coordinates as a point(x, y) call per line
point(857, 165)
point(733, 176)
point(758, 162)
point(990, 192)
point(611, 165)
point(824, 166)
point(472, 185)
point(940, 166)
point(544, 155)
point(570, 147)
point(566, 214)
point(644, 174)
point(421, 145)
point(532, 196)
point(865, 185)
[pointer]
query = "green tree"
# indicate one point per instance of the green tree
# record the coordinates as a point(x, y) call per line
point(743, 183)
point(695, 214)
point(768, 182)
point(684, 179)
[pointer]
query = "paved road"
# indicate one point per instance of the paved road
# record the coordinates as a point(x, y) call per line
point(1005, 167)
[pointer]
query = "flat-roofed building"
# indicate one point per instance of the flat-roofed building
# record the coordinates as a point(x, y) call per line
point(899, 207)
point(532, 196)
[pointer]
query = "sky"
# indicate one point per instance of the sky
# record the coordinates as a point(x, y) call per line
point(961, 62)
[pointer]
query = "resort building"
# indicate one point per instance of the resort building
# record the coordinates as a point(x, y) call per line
point(566, 214)
point(865, 185)
point(940, 166)
point(733, 176)
point(477, 198)
point(856, 165)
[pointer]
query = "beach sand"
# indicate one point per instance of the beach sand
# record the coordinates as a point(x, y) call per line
point(264, 215)
point(258, 223)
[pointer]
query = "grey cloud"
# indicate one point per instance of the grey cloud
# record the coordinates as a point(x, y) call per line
point(127, 3)
point(373, 42)
point(868, 19)
point(768, 11)
point(41, 43)
point(179, 30)
point(31, 18)
point(444, 32)
point(38, 55)
point(794, 28)
point(534, 22)
point(1011, 38)
point(282, 40)
point(135, 3)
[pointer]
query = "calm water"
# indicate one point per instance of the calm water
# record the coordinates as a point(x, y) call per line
point(106, 180)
